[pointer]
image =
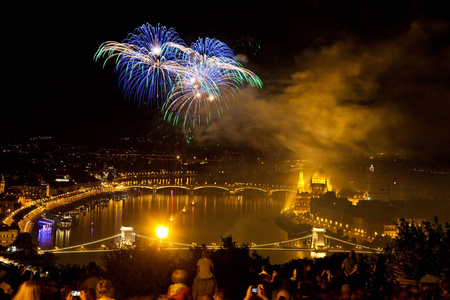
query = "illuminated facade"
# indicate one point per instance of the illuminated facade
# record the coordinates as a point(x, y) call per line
point(7, 204)
point(2, 185)
point(360, 196)
point(302, 203)
point(320, 183)
point(7, 236)
point(391, 230)
point(302, 199)
point(27, 193)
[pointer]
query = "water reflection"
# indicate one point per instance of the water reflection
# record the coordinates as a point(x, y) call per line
point(50, 237)
point(45, 237)
point(62, 238)
point(199, 219)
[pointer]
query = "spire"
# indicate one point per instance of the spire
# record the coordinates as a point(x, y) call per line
point(2, 185)
point(301, 182)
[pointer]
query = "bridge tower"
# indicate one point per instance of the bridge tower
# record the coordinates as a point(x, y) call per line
point(318, 238)
point(127, 237)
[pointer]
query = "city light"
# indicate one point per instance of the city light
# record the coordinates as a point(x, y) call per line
point(162, 232)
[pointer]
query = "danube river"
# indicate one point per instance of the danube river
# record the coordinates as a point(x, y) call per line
point(249, 218)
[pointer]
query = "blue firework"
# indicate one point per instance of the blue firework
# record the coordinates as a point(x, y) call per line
point(212, 48)
point(210, 79)
point(146, 66)
point(190, 84)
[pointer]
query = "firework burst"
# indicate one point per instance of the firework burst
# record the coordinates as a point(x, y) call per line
point(146, 67)
point(190, 84)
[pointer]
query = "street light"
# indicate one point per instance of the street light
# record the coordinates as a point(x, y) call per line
point(162, 232)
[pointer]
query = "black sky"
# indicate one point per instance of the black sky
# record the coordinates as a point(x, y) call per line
point(54, 87)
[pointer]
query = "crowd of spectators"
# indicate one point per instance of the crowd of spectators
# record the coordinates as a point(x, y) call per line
point(21, 282)
point(351, 282)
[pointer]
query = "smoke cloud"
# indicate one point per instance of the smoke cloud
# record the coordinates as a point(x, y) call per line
point(386, 95)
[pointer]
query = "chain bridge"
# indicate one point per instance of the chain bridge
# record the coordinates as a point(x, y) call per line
point(316, 242)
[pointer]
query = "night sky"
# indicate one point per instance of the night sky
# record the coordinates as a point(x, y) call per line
point(338, 75)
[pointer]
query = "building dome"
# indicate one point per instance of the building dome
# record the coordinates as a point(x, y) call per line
point(319, 177)
point(320, 183)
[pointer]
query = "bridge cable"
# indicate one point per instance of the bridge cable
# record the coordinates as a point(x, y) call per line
point(84, 244)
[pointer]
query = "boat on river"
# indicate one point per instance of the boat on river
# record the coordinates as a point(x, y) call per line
point(65, 222)
point(48, 219)
point(56, 220)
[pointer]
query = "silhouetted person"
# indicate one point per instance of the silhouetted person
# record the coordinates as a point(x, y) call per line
point(178, 290)
point(93, 278)
point(105, 290)
point(205, 281)
point(28, 290)
point(349, 264)
point(361, 275)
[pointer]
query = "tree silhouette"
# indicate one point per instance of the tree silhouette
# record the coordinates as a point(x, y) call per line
point(24, 241)
point(419, 248)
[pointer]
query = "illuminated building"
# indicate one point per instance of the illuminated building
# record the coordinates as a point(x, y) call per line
point(391, 230)
point(302, 199)
point(302, 203)
point(320, 183)
point(7, 236)
point(62, 178)
point(353, 195)
point(2, 185)
point(27, 193)
point(7, 203)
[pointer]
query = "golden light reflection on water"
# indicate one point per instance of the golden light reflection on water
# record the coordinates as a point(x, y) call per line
point(249, 219)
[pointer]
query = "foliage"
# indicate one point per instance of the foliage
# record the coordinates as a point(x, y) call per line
point(380, 241)
point(147, 271)
point(418, 249)
point(24, 241)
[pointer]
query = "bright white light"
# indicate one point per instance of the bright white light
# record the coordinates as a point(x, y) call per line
point(162, 232)
point(156, 50)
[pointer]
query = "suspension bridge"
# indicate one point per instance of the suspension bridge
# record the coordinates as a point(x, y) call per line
point(317, 241)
